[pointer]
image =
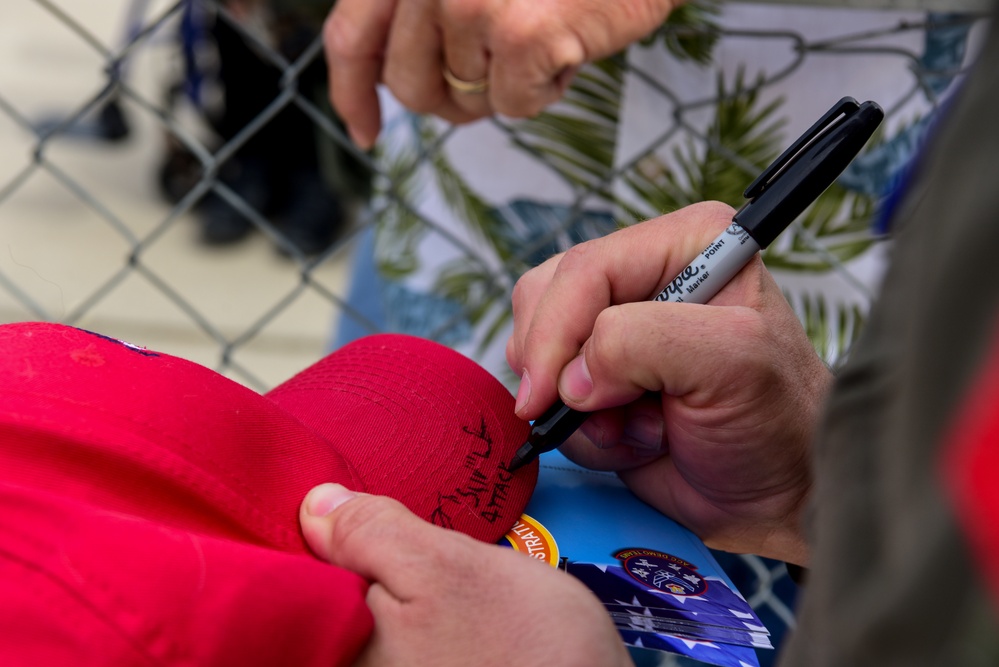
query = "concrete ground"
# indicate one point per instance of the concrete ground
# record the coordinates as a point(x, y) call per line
point(69, 221)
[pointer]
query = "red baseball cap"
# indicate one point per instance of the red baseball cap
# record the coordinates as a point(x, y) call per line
point(149, 506)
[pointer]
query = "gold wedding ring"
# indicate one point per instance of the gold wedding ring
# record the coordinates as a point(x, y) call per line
point(469, 87)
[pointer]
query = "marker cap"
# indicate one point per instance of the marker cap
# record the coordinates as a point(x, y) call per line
point(806, 169)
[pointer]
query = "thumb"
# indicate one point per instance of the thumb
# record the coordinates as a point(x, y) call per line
point(318, 518)
point(375, 537)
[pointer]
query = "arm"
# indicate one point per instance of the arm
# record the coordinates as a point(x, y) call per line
point(706, 412)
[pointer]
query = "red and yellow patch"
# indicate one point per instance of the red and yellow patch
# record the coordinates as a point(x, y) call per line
point(529, 537)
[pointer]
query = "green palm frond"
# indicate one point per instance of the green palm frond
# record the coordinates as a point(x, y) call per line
point(483, 298)
point(838, 223)
point(399, 229)
point(690, 33)
point(832, 328)
point(579, 137)
point(467, 280)
point(466, 204)
point(743, 139)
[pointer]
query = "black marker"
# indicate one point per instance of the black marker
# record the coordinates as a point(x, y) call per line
point(776, 198)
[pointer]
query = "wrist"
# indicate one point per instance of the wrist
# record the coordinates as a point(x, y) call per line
point(788, 546)
point(786, 540)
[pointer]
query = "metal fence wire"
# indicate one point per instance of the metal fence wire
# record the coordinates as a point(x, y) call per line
point(173, 174)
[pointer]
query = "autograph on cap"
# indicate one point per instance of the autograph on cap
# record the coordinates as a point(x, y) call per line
point(481, 494)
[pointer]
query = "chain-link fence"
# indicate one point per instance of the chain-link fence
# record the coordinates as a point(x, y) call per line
point(173, 175)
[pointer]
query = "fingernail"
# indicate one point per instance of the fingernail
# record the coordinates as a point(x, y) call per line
point(644, 432)
point(325, 498)
point(523, 392)
point(576, 382)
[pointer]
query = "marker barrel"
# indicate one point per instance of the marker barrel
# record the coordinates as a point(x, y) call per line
point(713, 268)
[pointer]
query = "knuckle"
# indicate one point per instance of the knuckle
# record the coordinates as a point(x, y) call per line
point(340, 40)
point(719, 212)
point(607, 345)
point(644, 13)
point(463, 12)
point(532, 283)
point(720, 206)
point(534, 62)
point(522, 289)
point(516, 37)
point(576, 259)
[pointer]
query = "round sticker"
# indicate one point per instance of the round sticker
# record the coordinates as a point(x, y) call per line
point(662, 571)
point(528, 536)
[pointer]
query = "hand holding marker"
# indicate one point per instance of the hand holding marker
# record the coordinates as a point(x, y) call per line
point(776, 198)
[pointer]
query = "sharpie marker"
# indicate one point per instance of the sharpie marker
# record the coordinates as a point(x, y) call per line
point(776, 198)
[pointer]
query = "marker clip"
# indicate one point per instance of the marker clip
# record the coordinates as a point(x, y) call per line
point(844, 108)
